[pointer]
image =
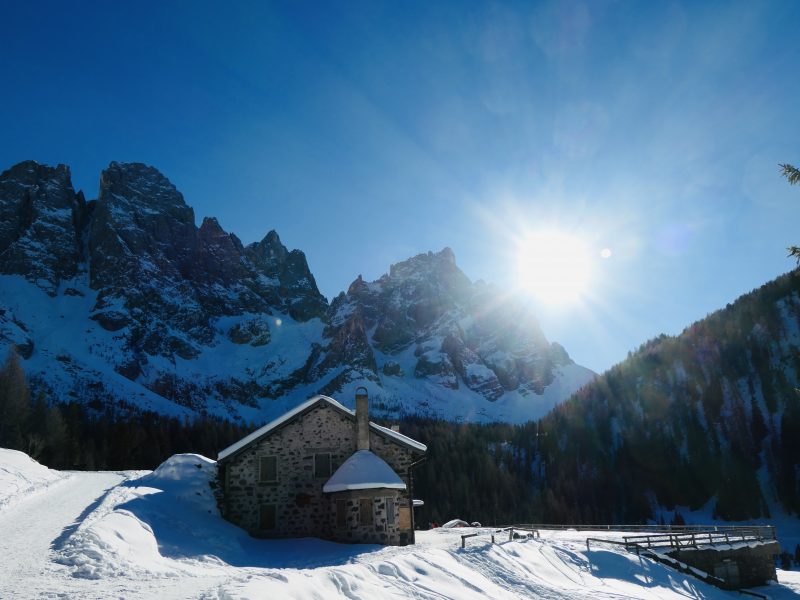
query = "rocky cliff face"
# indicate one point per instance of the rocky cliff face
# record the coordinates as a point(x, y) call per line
point(426, 319)
point(41, 223)
point(125, 299)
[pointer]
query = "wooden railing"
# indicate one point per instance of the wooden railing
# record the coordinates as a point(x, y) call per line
point(654, 528)
point(510, 530)
point(693, 539)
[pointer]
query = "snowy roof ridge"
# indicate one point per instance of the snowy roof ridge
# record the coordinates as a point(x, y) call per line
point(364, 470)
point(274, 424)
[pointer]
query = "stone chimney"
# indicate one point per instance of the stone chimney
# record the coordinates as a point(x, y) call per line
point(362, 419)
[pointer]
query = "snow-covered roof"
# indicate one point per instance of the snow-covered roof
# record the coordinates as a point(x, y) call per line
point(399, 437)
point(363, 471)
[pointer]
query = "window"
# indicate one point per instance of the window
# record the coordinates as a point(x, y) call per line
point(268, 469)
point(266, 516)
point(341, 512)
point(390, 511)
point(365, 510)
point(322, 465)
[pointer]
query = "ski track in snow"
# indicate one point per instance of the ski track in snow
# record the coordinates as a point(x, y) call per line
point(33, 528)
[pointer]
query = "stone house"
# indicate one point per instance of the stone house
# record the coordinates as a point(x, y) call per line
point(322, 470)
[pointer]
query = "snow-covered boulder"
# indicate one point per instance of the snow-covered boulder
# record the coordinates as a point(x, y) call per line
point(186, 478)
point(455, 523)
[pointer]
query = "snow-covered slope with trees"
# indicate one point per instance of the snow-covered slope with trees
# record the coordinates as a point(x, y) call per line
point(705, 422)
point(144, 535)
point(124, 301)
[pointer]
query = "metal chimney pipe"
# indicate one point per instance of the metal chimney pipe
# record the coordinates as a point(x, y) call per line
point(362, 419)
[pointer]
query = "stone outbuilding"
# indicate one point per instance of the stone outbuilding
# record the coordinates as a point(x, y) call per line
point(322, 470)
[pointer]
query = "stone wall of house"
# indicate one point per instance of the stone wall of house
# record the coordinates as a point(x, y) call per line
point(301, 507)
point(380, 530)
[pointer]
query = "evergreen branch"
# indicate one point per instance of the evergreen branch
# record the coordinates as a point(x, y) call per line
point(791, 173)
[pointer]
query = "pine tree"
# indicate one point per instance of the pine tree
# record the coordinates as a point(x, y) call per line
point(14, 403)
point(792, 175)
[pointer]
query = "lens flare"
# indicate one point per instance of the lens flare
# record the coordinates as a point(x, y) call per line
point(554, 267)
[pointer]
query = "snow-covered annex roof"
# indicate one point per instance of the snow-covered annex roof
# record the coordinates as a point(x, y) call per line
point(297, 410)
point(363, 471)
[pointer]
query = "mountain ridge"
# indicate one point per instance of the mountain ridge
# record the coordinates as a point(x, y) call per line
point(144, 303)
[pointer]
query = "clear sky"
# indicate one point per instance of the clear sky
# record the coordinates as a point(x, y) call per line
point(365, 133)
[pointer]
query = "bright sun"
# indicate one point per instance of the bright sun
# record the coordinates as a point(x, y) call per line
point(553, 267)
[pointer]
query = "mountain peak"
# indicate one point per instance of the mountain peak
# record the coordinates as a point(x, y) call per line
point(147, 185)
point(272, 237)
point(31, 170)
point(443, 262)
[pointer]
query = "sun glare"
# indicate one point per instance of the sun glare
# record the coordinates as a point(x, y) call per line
point(553, 267)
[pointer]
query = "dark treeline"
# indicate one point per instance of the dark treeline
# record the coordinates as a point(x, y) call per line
point(77, 436)
point(486, 473)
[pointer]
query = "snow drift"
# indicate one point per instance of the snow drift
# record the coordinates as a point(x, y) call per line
point(21, 476)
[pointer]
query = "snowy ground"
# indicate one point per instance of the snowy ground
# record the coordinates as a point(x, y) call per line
point(145, 535)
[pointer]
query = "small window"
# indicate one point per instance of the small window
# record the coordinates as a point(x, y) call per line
point(322, 465)
point(266, 517)
point(365, 511)
point(390, 511)
point(268, 469)
point(341, 512)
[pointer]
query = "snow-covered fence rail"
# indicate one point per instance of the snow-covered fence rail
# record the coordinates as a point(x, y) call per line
point(603, 541)
point(694, 539)
point(653, 528)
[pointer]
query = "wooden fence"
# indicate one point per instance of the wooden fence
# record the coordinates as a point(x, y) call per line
point(510, 530)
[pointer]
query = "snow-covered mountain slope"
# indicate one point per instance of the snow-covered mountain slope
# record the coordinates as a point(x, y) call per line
point(159, 534)
point(124, 300)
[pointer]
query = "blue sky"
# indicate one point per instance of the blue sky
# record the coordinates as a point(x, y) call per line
point(365, 133)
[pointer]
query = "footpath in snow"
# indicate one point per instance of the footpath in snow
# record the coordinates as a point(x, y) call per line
point(134, 535)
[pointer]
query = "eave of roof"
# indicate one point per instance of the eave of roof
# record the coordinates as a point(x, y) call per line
point(307, 405)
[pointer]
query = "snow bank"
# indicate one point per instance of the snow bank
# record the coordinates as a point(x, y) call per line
point(120, 536)
point(437, 568)
point(21, 476)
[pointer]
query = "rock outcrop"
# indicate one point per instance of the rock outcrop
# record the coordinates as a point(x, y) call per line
point(41, 221)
